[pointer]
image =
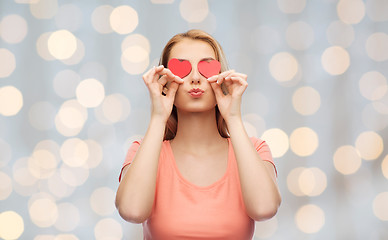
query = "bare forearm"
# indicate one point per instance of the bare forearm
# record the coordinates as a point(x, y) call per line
point(258, 184)
point(136, 192)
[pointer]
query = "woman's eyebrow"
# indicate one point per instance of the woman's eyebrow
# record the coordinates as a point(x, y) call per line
point(207, 59)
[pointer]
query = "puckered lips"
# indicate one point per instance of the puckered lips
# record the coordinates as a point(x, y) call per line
point(196, 92)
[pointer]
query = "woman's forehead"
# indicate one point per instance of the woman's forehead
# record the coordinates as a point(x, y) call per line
point(192, 50)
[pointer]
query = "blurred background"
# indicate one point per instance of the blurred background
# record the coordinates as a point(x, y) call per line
point(72, 100)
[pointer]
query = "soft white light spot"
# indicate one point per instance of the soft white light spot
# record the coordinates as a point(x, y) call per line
point(11, 225)
point(283, 66)
point(44, 9)
point(42, 164)
point(370, 144)
point(347, 159)
point(291, 6)
point(377, 46)
point(102, 201)
point(310, 218)
point(100, 19)
point(373, 85)
point(8, 63)
point(70, 118)
point(304, 141)
point(194, 10)
point(108, 228)
point(90, 93)
point(351, 11)
point(43, 211)
point(277, 141)
point(42, 47)
point(124, 19)
point(335, 60)
point(306, 100)
point(62, 44)
point(13, 28)
point(380, 206)
point(78, 55)
point(5, 186)
point(11, 101)
point(74, 152)
point(135, 54)
point(137, 40)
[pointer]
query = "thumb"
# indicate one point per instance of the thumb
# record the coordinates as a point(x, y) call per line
point(172, 89)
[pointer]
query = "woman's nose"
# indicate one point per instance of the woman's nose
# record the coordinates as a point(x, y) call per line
point(195, 76)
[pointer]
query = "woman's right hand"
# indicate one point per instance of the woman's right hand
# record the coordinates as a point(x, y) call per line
point(161, 103)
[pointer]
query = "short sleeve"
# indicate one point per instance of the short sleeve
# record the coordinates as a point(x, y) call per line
point(130, 155)
point(263, 150)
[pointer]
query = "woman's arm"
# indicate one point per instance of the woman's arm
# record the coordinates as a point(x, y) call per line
point(136, 192)
point(257, 177)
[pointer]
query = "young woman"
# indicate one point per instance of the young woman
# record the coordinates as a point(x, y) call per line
point(196, 174)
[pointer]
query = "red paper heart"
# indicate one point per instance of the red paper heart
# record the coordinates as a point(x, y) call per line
point(181, 68)
point(208, 69)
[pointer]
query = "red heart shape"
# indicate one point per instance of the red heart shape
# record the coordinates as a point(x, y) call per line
point(208, 69)
point(181, 68)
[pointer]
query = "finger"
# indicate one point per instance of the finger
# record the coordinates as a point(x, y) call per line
point(148, 76)
point(217, 90)
point(170, 75)
point(223, 75)
point(172, 89)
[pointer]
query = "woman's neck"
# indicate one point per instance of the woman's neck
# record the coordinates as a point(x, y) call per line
point(197, 131)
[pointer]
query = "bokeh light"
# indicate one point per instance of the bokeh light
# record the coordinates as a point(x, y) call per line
point(194, 10)
point(5, 186)
point(70, 118)
point(90, 93)
point(310, 218)
point(380, 206)
point(306, 100)
point(62, 44)
point(65, 83)
point(11, 100)
point(11, 225)
point(312, 181)
point(108, 228)
point(42, 47)
point(13, 28)
point(351, 11)
point(277, 140)
point(123, 19)
point(100, 19)
point(8, 63)
point(370, 145)
point(293, 7)
point(335, 60)
point(377, 46)
point(74, 152)
point(43, 210)
point(384, 167)
point(373, 85)
point(44, 9)
point(304, 141)
point(283, 66)
point(102, 201)
point(347, 159)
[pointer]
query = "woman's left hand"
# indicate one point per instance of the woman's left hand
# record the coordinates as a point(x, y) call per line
point(229, 104)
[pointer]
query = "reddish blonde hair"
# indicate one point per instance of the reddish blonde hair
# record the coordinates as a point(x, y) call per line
point(172, 122)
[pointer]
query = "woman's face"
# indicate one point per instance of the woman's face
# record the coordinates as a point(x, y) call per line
point(195, 93)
